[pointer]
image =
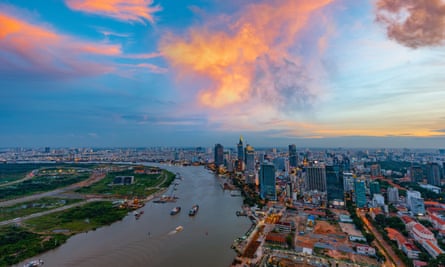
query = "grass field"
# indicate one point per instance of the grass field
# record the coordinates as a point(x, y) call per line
point(27, 208)
point(143, 186)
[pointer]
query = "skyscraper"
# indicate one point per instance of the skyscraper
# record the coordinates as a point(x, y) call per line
point(293, 159)
point(240, 149)
point(334, 182)
point(267, 181)
point(360, 193)
point(433, 173)
point(250, 158)
point(316, 178)
point(416, 173)
point(219, 155)
point(374, 188)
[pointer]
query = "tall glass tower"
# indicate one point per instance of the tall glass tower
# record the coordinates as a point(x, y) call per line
point(240, 149)
point(267, 181)
point(219, 155)
point(293, 159)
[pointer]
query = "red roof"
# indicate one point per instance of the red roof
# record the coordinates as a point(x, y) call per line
point(434, 247)
point(422, 229)
point(406, 219)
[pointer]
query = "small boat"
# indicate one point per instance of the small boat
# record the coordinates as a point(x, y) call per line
point(179, 228)
point(193, 210)
point(34, 263)
point(175, 210)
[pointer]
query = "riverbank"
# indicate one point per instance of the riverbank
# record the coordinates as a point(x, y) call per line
point(25, 239)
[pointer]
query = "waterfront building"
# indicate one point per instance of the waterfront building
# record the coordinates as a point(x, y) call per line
point(293, 158)
point(334, 183)
point(360, 193)
point(393, 195)
point(219, 155)
point(433, 173)
point(374, 188)
point(316, 178)
point(267, 181)
point(250, 158)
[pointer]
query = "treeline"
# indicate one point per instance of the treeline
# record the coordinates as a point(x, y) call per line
point(18, 244)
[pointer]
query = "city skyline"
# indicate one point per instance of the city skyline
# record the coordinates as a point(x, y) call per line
point(140, 73)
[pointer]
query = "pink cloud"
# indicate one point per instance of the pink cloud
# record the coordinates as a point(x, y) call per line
point(125, 10)
point(38, 49)
point(251, 59)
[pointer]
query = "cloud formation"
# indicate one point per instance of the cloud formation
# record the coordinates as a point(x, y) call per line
point(413, 23)
point(124, 10)
point(251, 59)
point(37, 49)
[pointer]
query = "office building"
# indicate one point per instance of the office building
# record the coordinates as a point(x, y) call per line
point(360, 193)
point(293, 158)
point(348, 181)
point(267, 181)
point(374, 188)
point(316, 178)
point(250, 158)
point(415, 203)
point(393, 195)
point(334, 183)
point(416, 174)
point(240, 149)
point(376, 171)
point(433, 173)
point(219, 155)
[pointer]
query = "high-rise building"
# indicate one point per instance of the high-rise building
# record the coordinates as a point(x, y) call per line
point(348, 181)
point(316, 178)
point(334, 183)
point(416, 174)
point(280, 163)
point(267, 181)
point(376, 170)
point(250, 158)
point(433, 173)
point(393, 195)
point(219, 155)
point(360, 193)
point(293, 158)
point(374, 188)
point(415, 203)
point(240, 149)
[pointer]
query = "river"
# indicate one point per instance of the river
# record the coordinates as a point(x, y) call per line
point(152, 241)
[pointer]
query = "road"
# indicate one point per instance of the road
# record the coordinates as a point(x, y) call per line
point(94, 177)
point(34, 215)
point(27, 177)
point(392, 259)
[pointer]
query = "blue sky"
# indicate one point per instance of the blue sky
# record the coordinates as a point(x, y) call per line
point(195, 73)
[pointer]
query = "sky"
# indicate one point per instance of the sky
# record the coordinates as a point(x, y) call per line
point(315, 73)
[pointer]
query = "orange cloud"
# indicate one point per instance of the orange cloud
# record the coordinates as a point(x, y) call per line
point(39, 49)
point(125, 10)
point(252, 59)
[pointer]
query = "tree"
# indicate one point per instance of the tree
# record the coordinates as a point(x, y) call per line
point(439, 261)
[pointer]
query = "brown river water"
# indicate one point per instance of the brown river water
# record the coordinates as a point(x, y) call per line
point(152, 240)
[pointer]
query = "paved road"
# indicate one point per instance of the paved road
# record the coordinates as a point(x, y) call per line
point(94, 177)
point(34, 215)
point(27, 177)
point(391, 261)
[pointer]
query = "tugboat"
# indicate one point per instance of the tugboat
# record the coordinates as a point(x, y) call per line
point(175, 210)
point(193, 210)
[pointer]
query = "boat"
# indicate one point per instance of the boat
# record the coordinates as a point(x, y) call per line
point(179, 228)
point(34, 263)
point(175, 210)
point(193, 210)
